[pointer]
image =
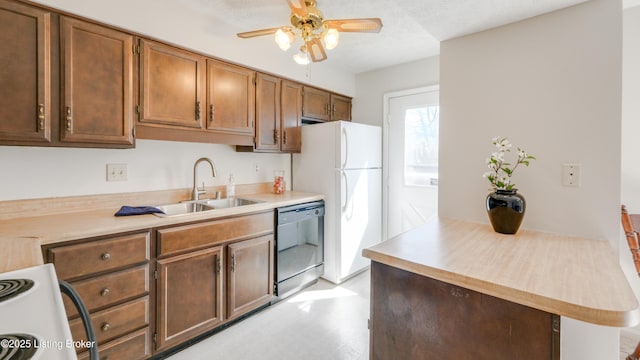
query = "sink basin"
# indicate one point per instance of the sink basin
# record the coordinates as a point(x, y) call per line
point(227, 203)
point(191, 207)
point(183, 208)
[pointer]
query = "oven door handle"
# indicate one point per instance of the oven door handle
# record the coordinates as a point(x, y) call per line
point(68, 290)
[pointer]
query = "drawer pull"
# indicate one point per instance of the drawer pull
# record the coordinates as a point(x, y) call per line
point(105, 292)
point(105, 327)
point(106, 256)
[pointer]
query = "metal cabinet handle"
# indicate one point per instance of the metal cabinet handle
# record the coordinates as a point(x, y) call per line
point(284, 136)
point(105, 292)
point(276, 136)
point(40, 117)
point(218, 266)
point(106, 256)
point(333, 111)
point(105, 327)
point(211, 113)
point(68, 117)
point(233, 262)
point(197, 110)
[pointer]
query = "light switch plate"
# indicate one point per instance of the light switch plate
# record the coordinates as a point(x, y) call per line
point(116, 172)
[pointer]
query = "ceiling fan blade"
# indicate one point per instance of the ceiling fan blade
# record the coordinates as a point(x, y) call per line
point(315, 50)
point(372, 25)
point(254, 33)
point(298, 7)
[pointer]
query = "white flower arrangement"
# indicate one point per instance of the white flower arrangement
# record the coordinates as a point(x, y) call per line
point(500, 171)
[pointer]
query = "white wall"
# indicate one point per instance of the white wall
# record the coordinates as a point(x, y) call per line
point(552, 84)
point(372, 85)
point(630, 131)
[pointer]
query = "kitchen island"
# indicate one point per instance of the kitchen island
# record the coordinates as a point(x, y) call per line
point(456, 289)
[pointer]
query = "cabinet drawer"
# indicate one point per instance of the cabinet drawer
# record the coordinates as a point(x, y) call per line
point(109, 289)
point(134, 346)
point(73, 261)
point(180, 238)
point(114, 322)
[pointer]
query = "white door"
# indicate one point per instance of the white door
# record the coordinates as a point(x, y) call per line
point(411, 159)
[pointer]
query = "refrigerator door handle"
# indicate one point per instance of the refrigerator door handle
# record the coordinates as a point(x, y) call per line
point(346, 191)
point(346, 147)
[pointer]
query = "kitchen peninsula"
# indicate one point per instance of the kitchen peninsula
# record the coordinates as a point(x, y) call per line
point(456, 289)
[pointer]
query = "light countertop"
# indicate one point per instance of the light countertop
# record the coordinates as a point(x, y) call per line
point(567, 276)
point(21, 237)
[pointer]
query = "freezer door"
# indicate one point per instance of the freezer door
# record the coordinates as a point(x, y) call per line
point(360, 217)
point(360, 146)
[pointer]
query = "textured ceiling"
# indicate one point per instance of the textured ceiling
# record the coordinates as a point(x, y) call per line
point(412, 29)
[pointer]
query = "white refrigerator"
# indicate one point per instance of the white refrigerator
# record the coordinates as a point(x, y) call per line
point(343, 161)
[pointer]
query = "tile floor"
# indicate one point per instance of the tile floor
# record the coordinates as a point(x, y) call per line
point(324, 321)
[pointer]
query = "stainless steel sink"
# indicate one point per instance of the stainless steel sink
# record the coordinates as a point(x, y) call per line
point(183, 208)
point(227, 203)
point(191, 207)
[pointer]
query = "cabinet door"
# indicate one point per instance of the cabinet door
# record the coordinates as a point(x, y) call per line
point(249, 275)
point(340, 108)
point(171, 86)
point(230, 98)
point(97, 83)
point(25, 35)
point(291, 106)
point(267, 113)
point(189, 298)
point(315, 104)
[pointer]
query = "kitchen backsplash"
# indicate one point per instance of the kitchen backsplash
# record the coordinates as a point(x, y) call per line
point(41, 172)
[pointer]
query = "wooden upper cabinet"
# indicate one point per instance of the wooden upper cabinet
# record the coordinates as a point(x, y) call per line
point(25, 58)
point(97, 84)
point(316, 104)
point(340, 107)
point(231, 95)
point(322, 105)
point(267, 112)
point(291, 114)
point(171, 87)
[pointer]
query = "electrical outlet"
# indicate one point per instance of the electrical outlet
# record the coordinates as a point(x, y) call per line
point(257, 167)
point(571, 175)
point(116, 172)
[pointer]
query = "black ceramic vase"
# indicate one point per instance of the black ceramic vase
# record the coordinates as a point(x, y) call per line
point(506, 210)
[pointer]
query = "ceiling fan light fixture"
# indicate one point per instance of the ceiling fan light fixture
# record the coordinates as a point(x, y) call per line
point(284, 37)
point(301, 58)
point(331, 38)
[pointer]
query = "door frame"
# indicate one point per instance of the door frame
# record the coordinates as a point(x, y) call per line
point(385, 145)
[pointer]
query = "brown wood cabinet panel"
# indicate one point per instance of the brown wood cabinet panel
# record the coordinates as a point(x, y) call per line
point(291, 108)
point(75, 261)
point(249, 275)
point(191, 237)
point(171, 87)
point(25, 61)
point(189, 298)
point(316, 104)
point(114, 322)
point(267, 113)
point(230, 98)
point(102, 291)
point(134, 346)
point(415, 317)
point(340, 108)
point(97, 84)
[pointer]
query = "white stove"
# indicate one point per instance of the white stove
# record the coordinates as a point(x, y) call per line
point(33, 322)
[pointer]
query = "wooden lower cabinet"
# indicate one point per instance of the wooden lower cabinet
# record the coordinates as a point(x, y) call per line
point(416, 317)
point(250, 275)
point(189, 298)
point(112, 277)
point(210, 273)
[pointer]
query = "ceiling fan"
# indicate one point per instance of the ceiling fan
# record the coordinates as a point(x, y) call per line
point(307, 21)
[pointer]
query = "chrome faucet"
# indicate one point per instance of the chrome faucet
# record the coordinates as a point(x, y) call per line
point(195, 195)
